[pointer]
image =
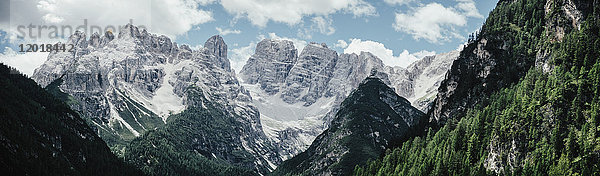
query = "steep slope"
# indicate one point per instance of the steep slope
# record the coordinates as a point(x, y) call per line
point(308, 78)
point(506, 48)
point(544, 124)
point(369, 121)
point(270, 64)
point(132, 84)
point(118, 84)
point(419, 82)
point(295, 95)
point(40, 135)
point(201, 140)
point(298, 96)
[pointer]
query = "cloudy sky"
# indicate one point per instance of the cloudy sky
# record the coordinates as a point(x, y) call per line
point(397, 31)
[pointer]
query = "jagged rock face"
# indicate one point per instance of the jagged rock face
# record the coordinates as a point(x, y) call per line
point(270, 64)
point(131, 84)
point(563, 16)
point(217, 47)
point(420, 80)
point(350, 71)
point(298, 96)
point(115, 80)
point(477, 72)
point(372, 119)
point(566, 15)
point(482, 67)
point(308, 78)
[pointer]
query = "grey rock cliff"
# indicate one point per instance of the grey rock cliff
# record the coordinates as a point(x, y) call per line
point(270, 64)
point(217, 47)
point(298, 96)
point(128, 85)
point(372, 119)
point(309, 77)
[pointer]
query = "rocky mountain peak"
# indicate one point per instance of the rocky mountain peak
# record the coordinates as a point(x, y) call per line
point(78, 39)
point(108, 36)
point(318, 50)
point(133, 83)
point(273, 46)
point(129, 30)
point(270, 64)
point(308, 79)
point(419, 82)
point(372, 116)
point(297, 96)
point(94, 40)
point(217, 47)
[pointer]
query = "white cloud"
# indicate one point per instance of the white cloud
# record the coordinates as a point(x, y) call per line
point(291, 12)
point(175, 17)
point(305, 33)
point(468, 8)
point(169, 17)
point(320, 24)
point(52, 18)
point(429, 22)
point(298, 44)
point(323, 25)
point(239, 56)
point(24, 62)
point(404, 59)
point(341, 44)
point(225, 32)
point(434, 22)
point(360, 8)
point(397, 2)
point(421, 54)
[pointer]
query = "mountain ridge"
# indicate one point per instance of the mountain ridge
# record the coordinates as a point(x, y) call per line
point(296, 104)
point(369, 121)
point(130, 85)
point(41, 135)
point(539, 118)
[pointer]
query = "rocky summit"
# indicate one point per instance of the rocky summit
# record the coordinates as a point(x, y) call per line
point(372, 119)
point(129, 85)
point(298, 95)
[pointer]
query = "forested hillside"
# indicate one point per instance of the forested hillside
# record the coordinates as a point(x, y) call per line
point(41, 135)
point(545, 124)
point(372, 119)
point(177, 148)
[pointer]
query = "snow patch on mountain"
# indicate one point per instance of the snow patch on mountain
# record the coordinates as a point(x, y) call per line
point(165, 101)
point(298, 95)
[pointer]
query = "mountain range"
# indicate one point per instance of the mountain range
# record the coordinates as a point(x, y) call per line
point(371, 119)
point(128, 85)
point(41, 135)
point(520, 98)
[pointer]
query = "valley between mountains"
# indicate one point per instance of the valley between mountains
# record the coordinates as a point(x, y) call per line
point(520, 98)
point(136, 85)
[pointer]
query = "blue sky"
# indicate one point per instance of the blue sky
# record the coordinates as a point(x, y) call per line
point(398, 31)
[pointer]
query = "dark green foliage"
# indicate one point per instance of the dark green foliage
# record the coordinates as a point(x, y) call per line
point(526, 114)
point(363, 128)
point(546, 124)
point(137, 116)
point(503, 52)
point(41, 135)
point(183, 145)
